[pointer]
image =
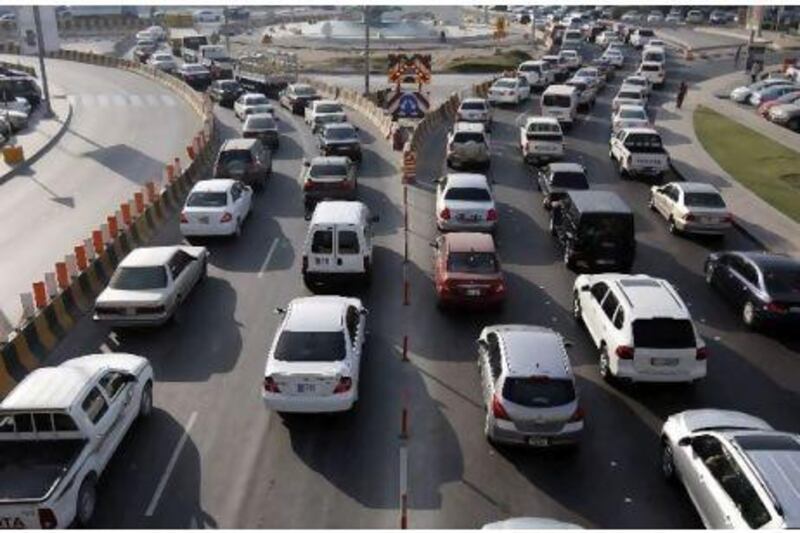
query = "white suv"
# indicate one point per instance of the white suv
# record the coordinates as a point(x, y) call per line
point(641, 326)
point(475, 110)
point(528, 387)
point(468, 146)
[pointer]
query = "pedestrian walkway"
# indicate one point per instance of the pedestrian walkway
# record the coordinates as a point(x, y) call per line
point(774, 230)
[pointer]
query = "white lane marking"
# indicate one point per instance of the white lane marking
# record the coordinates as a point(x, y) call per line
point(152, 100)
point(168, 100)
point(162, 483)
point(102, 100)
point(136, 100)
point(119, 100)
point(267, 259)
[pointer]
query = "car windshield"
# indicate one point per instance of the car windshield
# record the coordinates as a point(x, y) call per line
point(308, 346)
point(529, 68)
point(329, 108)
point(782, 279)
point(139, 278)
point(475, 194)
point(260, 122)
point(556, 100)
point(304, 90)
point(665, 333)
point(633, 114)
point(703, 199)
point(207, 199)
point(256, 99)
point(339, 134)
point(650, 68)
point(325, 170)
point(631, 95)
point(468, 136)
point(472, 262)
point(570, 180)
point(505, 84)
point(539, 391)
point(473, 106)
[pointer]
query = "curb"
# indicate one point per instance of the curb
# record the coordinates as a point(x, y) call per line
point(42, 150)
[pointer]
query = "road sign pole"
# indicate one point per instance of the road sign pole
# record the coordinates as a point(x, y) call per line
point(37, 21)
point(366, 51)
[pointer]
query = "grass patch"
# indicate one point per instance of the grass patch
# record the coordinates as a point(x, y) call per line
point(765, 167)
point(507, 60)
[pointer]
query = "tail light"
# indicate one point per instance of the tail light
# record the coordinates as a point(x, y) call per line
point(270, 385)
point(624, 352)
point(491, 215)
point(728, 219)
point(226, 217)
point(308, 185)
point(344, 385)
point(47, 518)
point(499, 287)
point(773, 307)
point(444, 214)
point(578, 415)
point(184, 218)
point(305, 264)
point(498, 410)
point(702, 353)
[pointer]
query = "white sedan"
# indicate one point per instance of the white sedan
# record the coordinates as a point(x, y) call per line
point(150, 284)
point(691, 207)
point(163, 61)
point(248, 100)
point(314, 361)
point(742, 94)
point(509, 91)
point(614, 57)
point(639, 81)
point(629, 116)
point(464, 202)
point(630, 95)
point(216, 207)
point(259, 109)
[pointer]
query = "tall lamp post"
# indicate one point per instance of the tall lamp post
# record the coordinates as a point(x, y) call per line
point(366, 51)
point(37, 21)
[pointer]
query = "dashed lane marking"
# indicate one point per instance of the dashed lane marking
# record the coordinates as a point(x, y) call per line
point(267, 259)
point(162, 483)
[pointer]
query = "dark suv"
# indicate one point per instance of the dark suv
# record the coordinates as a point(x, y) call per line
point(225, 92)
point(595, 230)
point(245, 160)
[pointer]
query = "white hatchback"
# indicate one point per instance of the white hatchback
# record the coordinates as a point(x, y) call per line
point(216, 207)
point(314, 361)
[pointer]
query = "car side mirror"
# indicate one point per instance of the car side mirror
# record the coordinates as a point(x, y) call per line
point(364, 311)
point(482, 344)
point(586, 288)
point(568, 344)
point(685, 441)
point(280, 311)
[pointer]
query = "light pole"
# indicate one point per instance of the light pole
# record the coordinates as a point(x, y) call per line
point(366, 51)
point(37, 21)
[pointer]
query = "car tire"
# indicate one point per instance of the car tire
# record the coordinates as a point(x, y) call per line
point(749, 315)
point(673, 228)
point(86, 501)
point(577, 312)
point(709, 274)
point(146, 401)
point(604, 365)
point(667, 461)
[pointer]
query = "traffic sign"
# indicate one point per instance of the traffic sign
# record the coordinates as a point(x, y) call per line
point(414, 68)
point(407, 104)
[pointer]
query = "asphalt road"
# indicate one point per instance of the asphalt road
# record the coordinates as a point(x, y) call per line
point(242, 466)
point(124, 129)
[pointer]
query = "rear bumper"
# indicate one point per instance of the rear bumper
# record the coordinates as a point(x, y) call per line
point(505, 432)
point(702, 229)
point(332, 278)
point(208, 230)
point(489, 300)
point(119, 321)
point(333, 403)
point(626, 371)
point(452, 225)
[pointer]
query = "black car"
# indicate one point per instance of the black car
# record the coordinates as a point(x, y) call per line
point(196, 76)
point(595, 230)
point(340, 139)
point(558, 178)
point(765, 287)
point(225, 92)
point(21, 86)
point(296, 97)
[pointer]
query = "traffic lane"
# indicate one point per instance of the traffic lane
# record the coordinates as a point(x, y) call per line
point(105, 155)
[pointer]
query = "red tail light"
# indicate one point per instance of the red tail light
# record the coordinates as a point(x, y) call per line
point(305, 264)
point(47, 518)
point(773, 307)
point(270, 385)
point(226, 217)
point(499, 287)
point(498, 410)
point(308, 185)
point(445, 214)
point(491, 215)
point(702, 353)
point(344, 385)
point(578, 415)
point(728, 219)
point(184, 218)
point(624, 352)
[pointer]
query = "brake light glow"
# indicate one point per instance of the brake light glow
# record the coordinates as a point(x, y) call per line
point(344, 385)
point(498, 410)
point(226, 217)
point(578, 415)
point(702, 353)
point(624, 352)
point(270, 385)
point(773, 307)
point(444, 214)
point(491, 215)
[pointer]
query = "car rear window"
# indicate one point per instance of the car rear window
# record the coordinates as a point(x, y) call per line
point(473, 106)
point(329, 108)
point(505, 84)
point(260, 123)
point(530, 68)
point(668, 333)
point(703, 199)
point(307, 346)
point(643, 142)
point(322, 242)
point(466, 136)
point(468, 193)
point(782, 279)
point(556, 100)
point(654, 56)
point(539, 391)
point(600, 227)
point(348, 242)
point(633, 114)
point(635, 95)
point(651, 68)
point(339, 134)
point(328, 170)
point(139, 278)
point(207, 199)
point(228, 157)
point(302, 90)
point(472, 262)
point(570, 180)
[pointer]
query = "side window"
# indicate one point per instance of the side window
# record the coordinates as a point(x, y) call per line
point(495, 364)
point(112, 383)
point(353, 318)
point(236, 192)
point(179, 262)
point(348, 243)
point(619, 318)
point(94, 405)
point(749, 273)
point(610, 305)
point(63, 422)
point(43, 421)
point(743, 495)
point(322, 242)
point(736, 265)
point(675, 194)
point(599, 291)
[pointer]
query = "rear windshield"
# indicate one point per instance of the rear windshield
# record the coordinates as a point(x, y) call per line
point(473, 106)
point(572, 35)
point(328, 170)
point(570, 180)
point(468, 193)
point(539, 392)
point(663, 333)
point(646, 33)
point(530, 68)
point(651, 68)
point(658, 57)
point(322, 242)
point(630, 94)
point(260, 123)
point(597, 227)
point(228, 85)
point(633, 114)
point(472, 262)
point(544, 127)
point(260, 109)
point(340, 133)
point(465, 137)
point(228, 157)
point(139, 278)
point(304, 90)
point(256, 99)
point(207, 199)
point(586, 73)
point(505, 84)
point(306, 346)
point(784, 279)
point(580, 85)
point(703, 199)
point(556, 100)
point(639, 82)
point(643, 142)
point(329, 108)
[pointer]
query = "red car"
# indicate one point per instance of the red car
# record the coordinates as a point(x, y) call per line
point(788, 98)
point(467, 271)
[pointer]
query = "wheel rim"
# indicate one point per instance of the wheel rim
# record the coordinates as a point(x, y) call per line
point(576, 307)
point(709, 274)
point(604, 363)
point(667, 463)
point(87, 505)
point(747, 313)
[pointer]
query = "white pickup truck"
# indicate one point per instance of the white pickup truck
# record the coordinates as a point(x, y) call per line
point(541, 139)
point(638, 152)
point(58, 430)
point(320, 112)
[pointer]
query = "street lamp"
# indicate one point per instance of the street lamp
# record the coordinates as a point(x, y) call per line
point(37, 21)
point(366, 51)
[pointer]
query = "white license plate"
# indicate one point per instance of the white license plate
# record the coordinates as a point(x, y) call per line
point(473, 292)
point(664, 361)
point(304, 388)
point(546, 148)
point(203, 220)
point(538, 442)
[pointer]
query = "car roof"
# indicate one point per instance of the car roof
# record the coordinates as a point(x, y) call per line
point(695, 186)
point(505, 78)
point(474, 127)
point(648, 296)
point(469, 242)
point(533, 350)
point(595, 201)
point(316, 313)
point(338, 126)
point(631, 107)
point(560, 89)
point(149, 256)
point(329, 160)
point(216, 185)
point(473, 101)
point(339, 212)
point(566, 167)
point(466, 179)
point(766, 259)
point(238, 144)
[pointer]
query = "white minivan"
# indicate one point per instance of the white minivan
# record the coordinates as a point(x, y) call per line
point(561, 103)
point(653, 71)
point(338, 245)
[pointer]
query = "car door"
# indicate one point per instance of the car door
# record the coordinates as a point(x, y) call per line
point(181, 275)
point(591, 306)
point(95, 407)
point(349, 256)
point(120, 390)
point(742, 276)
point(322, 257)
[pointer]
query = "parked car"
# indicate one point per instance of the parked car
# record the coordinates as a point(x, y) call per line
point(216, 207)
point(528, 387)
point(340, 139)
point(59, 429)
point(328, 177)
point(742, 94)
point(792, 97)
point(314, 361)
point(475, 110)
point(468, 146)
point(691, 207)
point(509, 91)
point(245, 160)
point(321, 112)
point(541, 139)
point(739, 472)
point(263, 127)
point(296, 96)
point(787, 115)
point(769, 94)
point(225, 92)
point(629, 116)
point(558, 178)
point(195, 76)
point(629, 95)
point(764, 287)
point(163, 61)
point(467, 271)
point(15, 103)
point(464, 202)
point(639, 152)
point(149, 284)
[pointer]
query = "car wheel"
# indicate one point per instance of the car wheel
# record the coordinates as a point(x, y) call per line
point(673, 228)
point(569, 256)
point(86, 502)
point(667, 461)
point(794, 124)
point(709, 273)
point(146, 403)
point(605, 364)
point(749, 315)
point(577, 313)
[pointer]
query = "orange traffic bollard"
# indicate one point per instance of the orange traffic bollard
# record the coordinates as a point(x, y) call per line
point(80, 257)
point(97, 240)
point(152, 195)
point(126, 213)
point(39, 295)
point(113, 228)
point(62, 276)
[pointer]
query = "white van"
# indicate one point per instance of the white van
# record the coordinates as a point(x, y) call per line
point(654, 54)
point(338, 245)
point(573, 38)
point(561, 103)
point(653, 71)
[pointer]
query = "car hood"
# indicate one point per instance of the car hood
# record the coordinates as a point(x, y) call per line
point(124, 297)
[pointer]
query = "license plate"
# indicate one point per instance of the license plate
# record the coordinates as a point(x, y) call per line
point(546, 148)
point(203, 220)
point(473, 292)
point(538, 442)
point(303, 388)
point(468, 218)
point(664, 361)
